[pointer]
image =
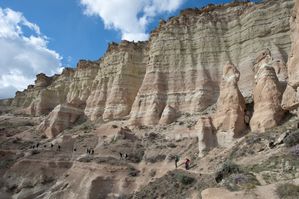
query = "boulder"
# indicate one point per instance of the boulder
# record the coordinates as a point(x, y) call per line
point(62, 117)
point(168, 116)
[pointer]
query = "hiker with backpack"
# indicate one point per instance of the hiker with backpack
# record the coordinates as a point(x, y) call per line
point(187, 164)
point(176, 160)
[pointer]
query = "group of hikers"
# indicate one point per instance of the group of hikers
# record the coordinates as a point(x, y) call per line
point(186, 162)
point(36, 146)
point(90, 151)
point(122, 156)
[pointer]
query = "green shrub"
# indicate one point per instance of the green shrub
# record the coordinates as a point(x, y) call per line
point(226, 170)
point(292, 139)
point(287, 191)
point(185, 180)
point(229, 167)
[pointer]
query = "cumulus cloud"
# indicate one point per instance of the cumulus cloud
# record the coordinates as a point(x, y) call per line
point(131, 17)
point(22, 55)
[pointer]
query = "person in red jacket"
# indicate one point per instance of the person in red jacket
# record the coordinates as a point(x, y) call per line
point(187, 164)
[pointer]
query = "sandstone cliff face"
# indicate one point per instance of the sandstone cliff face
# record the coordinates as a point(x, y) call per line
point(187, 52)
point(25, 98)
point(180, 67)
point(267, 95)
point(49, 97)
point(290, 99)
point(117, 81)
point(81, 85)
point(229, 116)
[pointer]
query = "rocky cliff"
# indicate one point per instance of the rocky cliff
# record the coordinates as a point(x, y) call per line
point(177, 71)
point(117, 81)
point(290, 100)
point(186, 55)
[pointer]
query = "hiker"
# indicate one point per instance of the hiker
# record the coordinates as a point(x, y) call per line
point(58, 148)
point(91, 151)
point(187, 164)
point(176, 160)
point(52, 145)
point(126, 156)
point(37, 145)
point(121, 155)
point(88, 151)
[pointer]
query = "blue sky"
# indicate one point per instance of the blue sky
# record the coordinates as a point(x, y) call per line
point(46, 35)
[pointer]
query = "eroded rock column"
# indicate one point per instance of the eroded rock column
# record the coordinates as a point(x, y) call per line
point(267, 95)
point(229, 116)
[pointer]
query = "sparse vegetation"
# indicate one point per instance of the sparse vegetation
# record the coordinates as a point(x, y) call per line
point(228, 168)
point(184, 179)
point(133, 172)
point(295, 151)
point(287, 191)
point(241, 181)
point(292, 139)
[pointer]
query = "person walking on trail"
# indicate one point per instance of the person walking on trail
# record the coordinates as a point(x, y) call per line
point(58, 148)
point(126, 156)
point(176, 160)
point(187, 164)
point(121, 155)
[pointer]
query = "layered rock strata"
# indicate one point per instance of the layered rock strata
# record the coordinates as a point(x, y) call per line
point(49, 97)
point(117, 81)
point(25, 98)
point(186, 54)
point(267, 95)
point(180, 66)
point(230, 113)
point(81, 85)
point(290, 100)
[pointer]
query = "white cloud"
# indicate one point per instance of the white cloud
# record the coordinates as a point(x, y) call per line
point(22, 57)
point(131, 17)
